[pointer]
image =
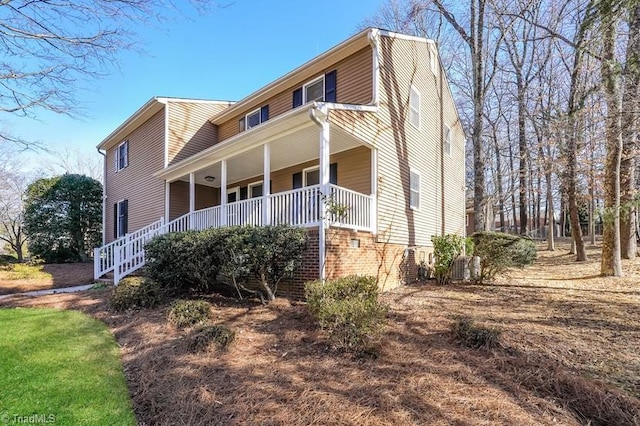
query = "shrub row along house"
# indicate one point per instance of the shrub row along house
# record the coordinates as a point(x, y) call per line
point(362, 145)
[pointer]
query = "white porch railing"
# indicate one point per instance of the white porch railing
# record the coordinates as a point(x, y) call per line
point(299, 207)
point(103, 257)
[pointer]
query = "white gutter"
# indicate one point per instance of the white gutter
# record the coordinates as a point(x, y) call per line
point(104, 196)
point(374, 40)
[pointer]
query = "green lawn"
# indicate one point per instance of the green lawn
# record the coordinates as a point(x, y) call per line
point(62, 367)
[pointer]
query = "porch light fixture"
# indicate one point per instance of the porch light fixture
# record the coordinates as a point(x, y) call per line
point(209, 178)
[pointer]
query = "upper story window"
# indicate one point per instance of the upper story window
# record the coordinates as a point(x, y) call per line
point(414, 108)
point(447, 140)
point(121, 159)
point(254, 118)
point(313, 91)
point(414, 189)
point(322, 89)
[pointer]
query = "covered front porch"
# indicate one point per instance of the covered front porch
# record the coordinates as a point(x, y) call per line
point(296, 169)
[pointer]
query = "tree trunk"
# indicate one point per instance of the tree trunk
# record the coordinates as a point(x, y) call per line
point(630, 111)
point(611, 264)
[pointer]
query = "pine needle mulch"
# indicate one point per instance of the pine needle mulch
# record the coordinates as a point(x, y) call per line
point(569, 354)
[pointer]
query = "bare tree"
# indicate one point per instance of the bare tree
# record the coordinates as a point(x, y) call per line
point(74, 161)
point(49, 47)
point(12, 187)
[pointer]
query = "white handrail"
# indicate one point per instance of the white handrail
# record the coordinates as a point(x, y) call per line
point(298, 207)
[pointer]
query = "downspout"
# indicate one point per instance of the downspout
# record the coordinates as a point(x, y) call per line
point(374, 41)
point(104, 196)
point(323, 123)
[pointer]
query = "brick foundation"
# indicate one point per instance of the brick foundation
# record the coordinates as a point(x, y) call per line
point(356, 253)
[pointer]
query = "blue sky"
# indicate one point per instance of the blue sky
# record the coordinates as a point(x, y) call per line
point(226, 55)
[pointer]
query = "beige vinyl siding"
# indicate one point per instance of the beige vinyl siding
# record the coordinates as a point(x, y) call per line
point(189, 128)
point(206, 196)
point(354, 86)
point(402, 147)
point(135, 182)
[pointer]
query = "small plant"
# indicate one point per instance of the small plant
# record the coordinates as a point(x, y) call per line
point(185, 313)
point(499, 251)
point(349, 311)
point(204, 336)
point(135, 293)
point(466, 332)
point(99, 286)
point(447, 248)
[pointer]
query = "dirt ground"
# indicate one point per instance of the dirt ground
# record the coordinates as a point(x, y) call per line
point(569, 355)
point(59, 276)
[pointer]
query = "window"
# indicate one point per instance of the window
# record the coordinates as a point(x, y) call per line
point(414, 189)
point(254, 118)
point(233, 194)
point(311, 176)
point(122, 156)
point(414, 107)
point(446, 143)
point(120, 218)
point(313, 91)
point(255, 189)
point(323, 88)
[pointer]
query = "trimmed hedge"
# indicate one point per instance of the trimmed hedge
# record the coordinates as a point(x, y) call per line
point(200, 260)
point(185, 313)
point(499, 251)
point(135, 293)
point(349, 311)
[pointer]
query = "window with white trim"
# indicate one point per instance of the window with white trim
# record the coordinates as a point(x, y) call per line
point(311, 176)
point(414, 189)
point(122, 156)
point(446, 142)
point(254, 118)
point(255, 189)
point(313, 91)
point(414, 108)
point(121, 223)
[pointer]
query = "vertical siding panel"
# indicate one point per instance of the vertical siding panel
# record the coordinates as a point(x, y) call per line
point(135, 182)
point(400, 146)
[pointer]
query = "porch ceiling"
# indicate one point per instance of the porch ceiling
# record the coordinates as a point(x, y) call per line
point(287, 149)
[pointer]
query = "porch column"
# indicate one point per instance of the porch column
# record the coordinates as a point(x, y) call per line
point(167, 197)
point(266, 185)
point(374, 191)
point(192, 192)
point(192, 198)
point(324, 189)
point(223, 192)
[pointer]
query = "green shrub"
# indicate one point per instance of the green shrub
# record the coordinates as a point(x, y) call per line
point(204, 336)
point(349, 311)
point(6, 259)
point(166, 256)
point(446, 248)
point(466, 332)
point(193, 260)
point(499, 251)
point(185, 313)
point(135, 293)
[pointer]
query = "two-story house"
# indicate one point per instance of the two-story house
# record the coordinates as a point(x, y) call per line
point(362, 145)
